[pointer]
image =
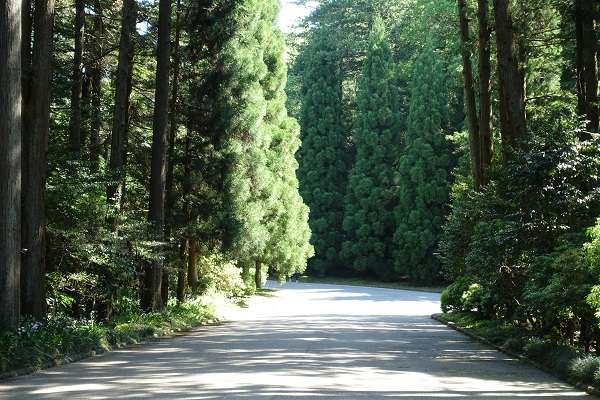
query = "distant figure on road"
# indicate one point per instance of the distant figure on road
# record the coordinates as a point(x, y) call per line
point(295, 277)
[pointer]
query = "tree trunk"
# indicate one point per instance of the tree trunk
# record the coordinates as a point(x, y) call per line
point(10, 162)
point(485, 104)
point(96, 87)
point(258, 275)
point(181, 273)
point(192, 270)
point(170, 200)
point(512, 107)
point(77, 81)
point(120, 123)
point(587, 68)
point(35, 148)
point(471, 103)
point(26, 32)
point(152, 282)
point(170, 195)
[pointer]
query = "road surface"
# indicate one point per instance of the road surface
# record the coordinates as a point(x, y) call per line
point(308, 341)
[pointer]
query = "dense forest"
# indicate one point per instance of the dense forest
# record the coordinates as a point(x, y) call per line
point(153, 150)
point(146, 154)
point(457, 141)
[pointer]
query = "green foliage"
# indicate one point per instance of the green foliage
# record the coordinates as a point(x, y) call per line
point(289, 245)
point(521, 236)
point(324, 154)
point(423, 175)
point(36, 344)
point(463, 295)
point(584, 369)
point(370, 199)
point(216, 273)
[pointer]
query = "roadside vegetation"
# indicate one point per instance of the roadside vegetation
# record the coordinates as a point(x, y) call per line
point(61, 338)
point(561, 359)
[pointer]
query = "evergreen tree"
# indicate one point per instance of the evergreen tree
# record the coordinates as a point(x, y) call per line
point(424, 174)
point(324, 153)
point(289, 234)
point(368, 218)
point(248, 180)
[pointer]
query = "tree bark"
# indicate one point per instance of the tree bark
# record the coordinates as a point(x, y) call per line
point(77, 81)
point(170, 199)
point(35, 149)
point(485, 104)
point(181, 273)
point(170, 194)
point(192, 270)
point(96, 87)
point(156, 216)
point(258, 275)
point(587, 68)
point(120, 122)
point(512, 107)
point(471, 103)
point(10, 162)
point(26, 32)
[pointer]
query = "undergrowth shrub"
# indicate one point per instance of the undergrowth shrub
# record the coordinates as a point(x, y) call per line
point(37, 343)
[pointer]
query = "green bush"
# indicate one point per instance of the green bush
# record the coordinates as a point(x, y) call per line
point(584, 368)
point(220, 274)
point(37, 343)
point(452, 297)
point(557, 357)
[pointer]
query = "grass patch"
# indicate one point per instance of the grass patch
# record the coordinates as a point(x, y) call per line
point(372, 283)
point(37, 344)
point(563, 360)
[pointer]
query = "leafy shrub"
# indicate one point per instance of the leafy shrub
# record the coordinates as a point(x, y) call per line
point(37, 343)
point(514, 344)
point(584, 368)
point(520, 237)
point(555, 356)
point(452, 298)
point(537, 348)
point(220, 274)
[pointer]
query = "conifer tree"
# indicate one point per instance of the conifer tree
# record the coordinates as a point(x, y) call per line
point(289, 234)
point(371, 197)
point(424, 174)
point(324, 153)
point(247, 193)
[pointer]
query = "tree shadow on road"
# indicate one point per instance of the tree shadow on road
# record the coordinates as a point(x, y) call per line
point(307, 354)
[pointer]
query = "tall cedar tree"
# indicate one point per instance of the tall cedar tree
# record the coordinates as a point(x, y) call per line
point(247, 179)
point(424, 174)
point(324, 154)
point(289, 234)
point(371, 197)
point(35, 152)
point(120, 117)
point(151, 298)
point(77, 80)
point(10, 162)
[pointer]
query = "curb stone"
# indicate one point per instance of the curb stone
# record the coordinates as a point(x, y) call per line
point(591, 390)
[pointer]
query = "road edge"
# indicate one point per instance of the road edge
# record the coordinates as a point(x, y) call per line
point(591, 390)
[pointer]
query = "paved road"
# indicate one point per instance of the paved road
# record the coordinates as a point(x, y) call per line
point(308, 341)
